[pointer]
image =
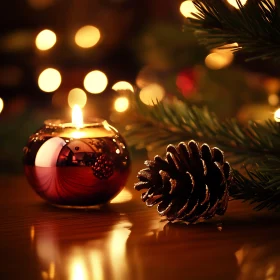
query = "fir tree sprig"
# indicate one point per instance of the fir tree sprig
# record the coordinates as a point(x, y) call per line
point(255, 27)
point(256, 146)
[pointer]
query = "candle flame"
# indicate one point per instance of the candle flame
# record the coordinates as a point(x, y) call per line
point(77, 117)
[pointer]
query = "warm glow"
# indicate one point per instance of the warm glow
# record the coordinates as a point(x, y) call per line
point(96, 263)
point(95, 82)
point(78, 97)
point(77, 117)
point(49, 80)
point(221, 57)
point(45, 40)
point(32, 233)
point(219, 60)
point(122, 197)
point(1, 104)
point(273, 99)
point(78, 270)
point(277, 115)
point(117, 246)
point(122, 85)
point(40, 4)
point(87, 36)
point(152, 94)
point(187, 8)
point(121, 104)
point(52, 270)
point(234, 3)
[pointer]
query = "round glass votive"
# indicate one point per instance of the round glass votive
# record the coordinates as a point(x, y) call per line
point(76, 167)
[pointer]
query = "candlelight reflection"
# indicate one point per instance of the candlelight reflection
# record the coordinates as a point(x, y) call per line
point(117, 250)
point(78, 269)
point(124, 196)
point(96, 264)
point(258, 263)
point(104, 256)
point(32, 233)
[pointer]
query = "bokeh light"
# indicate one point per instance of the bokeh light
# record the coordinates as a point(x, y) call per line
point(95, 82)
point(121, 104)
point(219, 60)
point(152, 94)
point(277, 115)
point(273, 99)
point(87, 36)
point(49, 80)
point(122, 85)
point(40, 4)
point(45, 40)
point(234, 3)
point(187, 8)
point(1, 104)
point(78, 97)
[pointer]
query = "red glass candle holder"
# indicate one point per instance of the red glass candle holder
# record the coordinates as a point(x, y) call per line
point(77, 167)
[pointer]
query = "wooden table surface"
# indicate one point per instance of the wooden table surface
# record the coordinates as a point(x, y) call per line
point(126, 240)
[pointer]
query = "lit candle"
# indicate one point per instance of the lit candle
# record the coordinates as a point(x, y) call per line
point(77, 164)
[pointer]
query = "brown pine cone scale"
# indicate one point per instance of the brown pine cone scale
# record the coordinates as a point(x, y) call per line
point(190, 183)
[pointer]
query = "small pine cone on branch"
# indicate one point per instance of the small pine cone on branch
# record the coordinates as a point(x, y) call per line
point(192, 182)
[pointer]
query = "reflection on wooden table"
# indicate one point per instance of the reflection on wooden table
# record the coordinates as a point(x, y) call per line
point(126, 240)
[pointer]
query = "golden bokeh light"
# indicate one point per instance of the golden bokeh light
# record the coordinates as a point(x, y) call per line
point(187, 8)
point(1, 104)
point(87, 36)
point(49, 80)
point(122, 85)
point(45, 40)
point(218, 60)
point(277, 115)
point(78, 97)
point(234, 3)
point(121, 104)
point(152, 94)
point(273, 99)
point(95, 82)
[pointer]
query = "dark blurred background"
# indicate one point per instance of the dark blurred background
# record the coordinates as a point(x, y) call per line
point(48, 48)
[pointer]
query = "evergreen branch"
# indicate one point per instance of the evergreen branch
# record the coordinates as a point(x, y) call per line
point(179, 121)
point(260, 187)
point(255, 27)
point(170, 123)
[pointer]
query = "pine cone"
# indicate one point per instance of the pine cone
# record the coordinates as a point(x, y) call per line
point(192, 182)
point(103, 167)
